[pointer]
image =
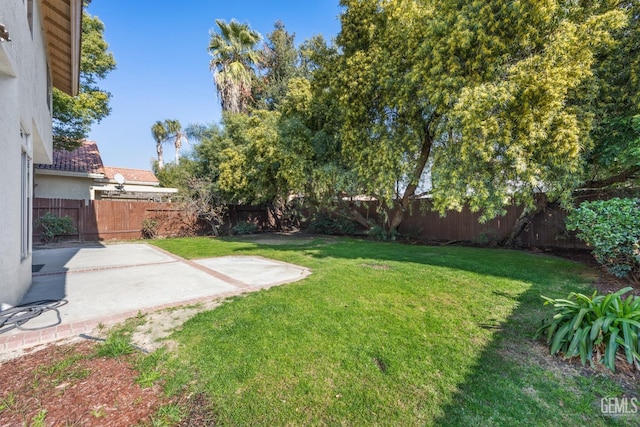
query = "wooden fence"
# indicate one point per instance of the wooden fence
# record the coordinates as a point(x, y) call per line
point(122, 220)
point(547, 230)
point(111, 219)
point(96, 220)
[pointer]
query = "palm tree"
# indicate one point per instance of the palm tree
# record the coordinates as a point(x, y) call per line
point(233, 57)
point(174, 129)
point(159, 132)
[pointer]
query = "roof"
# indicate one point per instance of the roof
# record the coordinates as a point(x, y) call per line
point(131, 175)
point(62, 22)
point(84, 159)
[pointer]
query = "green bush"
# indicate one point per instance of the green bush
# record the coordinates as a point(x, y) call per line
point(595, 328)
point(54, 226)
point(243, 228)
point(612, 228)
point(381, 234)
point(325, 224)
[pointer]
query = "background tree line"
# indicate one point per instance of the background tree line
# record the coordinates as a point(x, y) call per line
point(481, 104)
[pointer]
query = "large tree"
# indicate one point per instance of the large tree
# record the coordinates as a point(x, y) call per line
point(493, 98)
point(278, 64)
point(234, 56)
point(289, 147)
point(615, 160)
point(493, 101)
point(73, 116)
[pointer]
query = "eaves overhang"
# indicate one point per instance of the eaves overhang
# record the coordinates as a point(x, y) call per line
point(62, 24)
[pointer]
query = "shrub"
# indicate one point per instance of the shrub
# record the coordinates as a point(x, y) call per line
point(325, 224)
point(149, 228)
point(54, 226)
point(595, 328)
point(612, 228)
point(243, 228)
point(380, 233)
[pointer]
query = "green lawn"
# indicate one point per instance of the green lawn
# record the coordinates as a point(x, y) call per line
point(390, 334)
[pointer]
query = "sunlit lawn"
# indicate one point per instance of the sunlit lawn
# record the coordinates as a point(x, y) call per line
point(389, 334)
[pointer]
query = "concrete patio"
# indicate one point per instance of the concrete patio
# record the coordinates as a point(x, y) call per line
point(105, 284)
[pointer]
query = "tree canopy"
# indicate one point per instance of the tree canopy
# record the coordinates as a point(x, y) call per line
point(73, 116)
point(478, 104)
point(234, 54)
point(494, 98)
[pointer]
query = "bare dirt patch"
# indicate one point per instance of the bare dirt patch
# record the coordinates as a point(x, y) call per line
point(157, 326)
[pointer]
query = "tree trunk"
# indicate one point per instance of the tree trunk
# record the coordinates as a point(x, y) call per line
point(525, 219)
point(160, 159)
point(396, 216)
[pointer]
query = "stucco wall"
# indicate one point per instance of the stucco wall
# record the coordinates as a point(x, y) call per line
point(23, 104)
point(62, 187)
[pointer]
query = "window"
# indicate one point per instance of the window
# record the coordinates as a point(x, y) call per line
point(25, 196)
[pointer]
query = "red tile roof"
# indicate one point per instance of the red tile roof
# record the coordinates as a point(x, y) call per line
point(84, 159)
point(130, 175)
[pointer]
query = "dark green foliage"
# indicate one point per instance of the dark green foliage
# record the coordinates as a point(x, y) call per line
point(233, 52)
point(245, 227)
point(595, 328)
point(326, 224)
point(279, 63)
point(380, 233)
point(612, 228)
point(73, 116)
point(54, 226)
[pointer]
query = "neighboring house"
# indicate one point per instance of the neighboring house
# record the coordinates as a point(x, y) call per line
point(71, 173)
point(80, 174)
point(39, 48)
point(137, 184)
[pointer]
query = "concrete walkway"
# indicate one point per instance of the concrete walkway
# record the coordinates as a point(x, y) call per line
point(107, 284)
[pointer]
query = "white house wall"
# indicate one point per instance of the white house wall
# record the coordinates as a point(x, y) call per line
point(24, 104)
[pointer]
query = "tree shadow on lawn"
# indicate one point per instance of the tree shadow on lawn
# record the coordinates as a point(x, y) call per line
point(514, 380)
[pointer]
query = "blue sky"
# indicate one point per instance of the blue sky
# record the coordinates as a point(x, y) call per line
point(163, 64)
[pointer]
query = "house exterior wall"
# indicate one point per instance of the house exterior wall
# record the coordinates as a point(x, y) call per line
point(25, 138)
point(63, 187)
